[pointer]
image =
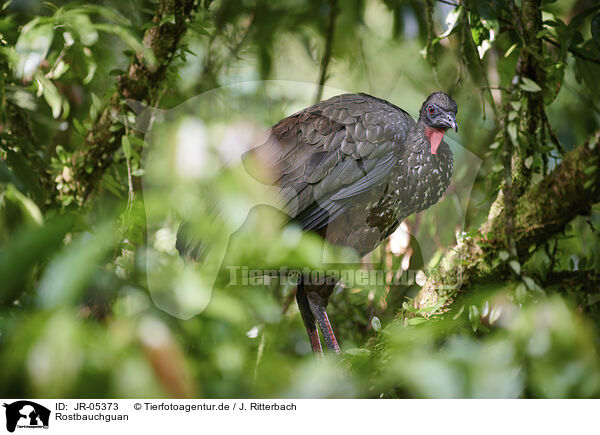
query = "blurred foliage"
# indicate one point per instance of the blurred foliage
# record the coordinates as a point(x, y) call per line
point(77, 315)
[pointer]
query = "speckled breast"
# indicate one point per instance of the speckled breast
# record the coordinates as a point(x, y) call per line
point(418, 181)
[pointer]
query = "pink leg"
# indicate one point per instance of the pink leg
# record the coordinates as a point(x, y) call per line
point(310, 322)
point(325, 325)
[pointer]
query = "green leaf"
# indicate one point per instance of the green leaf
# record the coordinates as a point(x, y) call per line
point(495, 314)
point(512, 132)
point(529, 162)
point(485, 308)
point(478, 32)
point(33, 45)
point(27, 248)
point(529, 85)
point(357, 351)
point(376, 324)
point(92, 66)
point(579, 18)
point(68, 274)
point(529, 282)
point(81, 25)
point(108, 13)
point(555, 73)
point(474, 317)
point(459, 312)
point(28, 207)
point(408, 307)
point(51, 94)
point(129, 38)
point(503, 255)
point(59, 69)
point(22, 169)
point(588, 183)
point(576, 39)
point(116, 72)
point(416, 321)
point(451, 22)
point(595, 28)
point(515, 266)
point(510, 50)
point(589, 71)
point(7, 176)
point(126, 146)
point(21, 97)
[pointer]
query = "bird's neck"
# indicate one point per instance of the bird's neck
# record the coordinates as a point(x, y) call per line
point(426, 138)
point(434, 135)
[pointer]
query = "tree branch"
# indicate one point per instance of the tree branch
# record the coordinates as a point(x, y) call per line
point(587, 281)
point(573, 50)
point(541, 212)
point(327, 54)
point(141, 82)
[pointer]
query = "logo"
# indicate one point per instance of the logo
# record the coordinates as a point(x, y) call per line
point(26, 414)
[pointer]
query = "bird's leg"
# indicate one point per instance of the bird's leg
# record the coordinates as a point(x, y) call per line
point(309, 319)
point(318, 309)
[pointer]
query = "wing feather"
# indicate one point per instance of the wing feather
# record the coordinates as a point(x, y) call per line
point(328, 155)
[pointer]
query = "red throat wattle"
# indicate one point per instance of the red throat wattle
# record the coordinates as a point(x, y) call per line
point(435, 136)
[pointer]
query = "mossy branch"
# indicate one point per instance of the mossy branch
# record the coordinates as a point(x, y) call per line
point(541, 212)
point(141, 81)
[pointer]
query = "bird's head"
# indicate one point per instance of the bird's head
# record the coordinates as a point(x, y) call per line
point(438, 113)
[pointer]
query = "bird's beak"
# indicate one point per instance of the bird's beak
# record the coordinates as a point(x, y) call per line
point(451, 121)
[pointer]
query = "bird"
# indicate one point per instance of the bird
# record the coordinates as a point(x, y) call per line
point(351, 168)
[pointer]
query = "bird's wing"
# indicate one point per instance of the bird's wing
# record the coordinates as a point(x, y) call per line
point(327, 155)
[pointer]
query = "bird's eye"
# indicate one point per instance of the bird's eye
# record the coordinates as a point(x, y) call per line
point(431, 110)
